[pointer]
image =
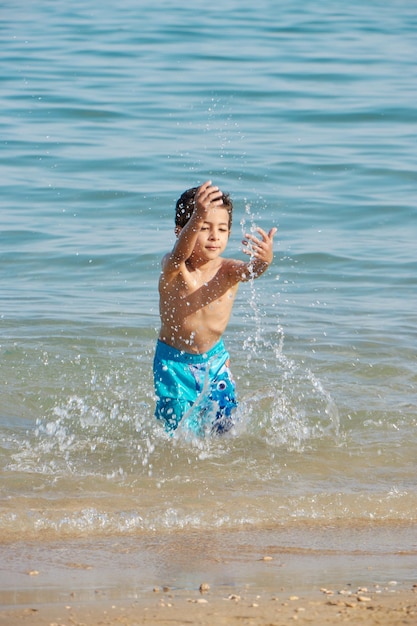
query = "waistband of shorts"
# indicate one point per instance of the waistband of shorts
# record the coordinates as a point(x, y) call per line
point(168, 353)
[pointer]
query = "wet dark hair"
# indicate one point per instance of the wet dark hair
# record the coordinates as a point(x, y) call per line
point(186, 203)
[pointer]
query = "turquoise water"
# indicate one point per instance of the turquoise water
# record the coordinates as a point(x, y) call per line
point(306, 115)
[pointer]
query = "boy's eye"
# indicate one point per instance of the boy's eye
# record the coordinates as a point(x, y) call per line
point(223, 229)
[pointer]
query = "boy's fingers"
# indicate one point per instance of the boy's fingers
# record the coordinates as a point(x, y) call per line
point(269, 235)
point(265, 236)
point(209, 192)
point(204, 188)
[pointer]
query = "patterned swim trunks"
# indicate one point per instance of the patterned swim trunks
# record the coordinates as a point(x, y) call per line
point(204, 381)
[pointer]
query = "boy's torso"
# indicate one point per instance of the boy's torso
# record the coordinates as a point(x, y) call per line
point(195, 307)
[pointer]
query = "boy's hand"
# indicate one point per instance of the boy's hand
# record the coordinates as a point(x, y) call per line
point(207, 196)
point(260, 249)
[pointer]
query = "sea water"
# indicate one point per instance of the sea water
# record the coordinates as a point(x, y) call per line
point(305, 113)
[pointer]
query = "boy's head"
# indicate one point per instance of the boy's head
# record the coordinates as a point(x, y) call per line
point(186, 203)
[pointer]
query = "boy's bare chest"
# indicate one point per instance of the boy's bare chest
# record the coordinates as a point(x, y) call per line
point(195, 293)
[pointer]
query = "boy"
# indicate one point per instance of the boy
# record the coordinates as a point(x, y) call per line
point(197, 288)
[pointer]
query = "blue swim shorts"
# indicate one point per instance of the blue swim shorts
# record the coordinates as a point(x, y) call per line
point(183, 380)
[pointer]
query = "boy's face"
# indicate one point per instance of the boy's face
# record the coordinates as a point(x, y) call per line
point(214, 234)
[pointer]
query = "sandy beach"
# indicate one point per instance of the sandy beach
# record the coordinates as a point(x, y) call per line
point(251, 577)
point(364, 606)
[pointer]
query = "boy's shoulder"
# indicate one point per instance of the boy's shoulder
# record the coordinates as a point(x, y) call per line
point(236, 270)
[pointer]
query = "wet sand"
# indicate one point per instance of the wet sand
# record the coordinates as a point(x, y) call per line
point(369, 607)
point(307, 573)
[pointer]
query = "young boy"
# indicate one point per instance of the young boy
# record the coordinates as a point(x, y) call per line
point(197, 288)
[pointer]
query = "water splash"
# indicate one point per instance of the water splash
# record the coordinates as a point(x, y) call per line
point(104, 429)
point(293, 408)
